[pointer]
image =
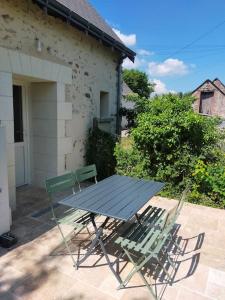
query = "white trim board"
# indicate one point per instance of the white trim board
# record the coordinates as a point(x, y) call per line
point(22, 64)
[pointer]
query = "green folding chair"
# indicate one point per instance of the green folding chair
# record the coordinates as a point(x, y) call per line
point(147, 238)
point(77, 218)
point(86, 173)
point(146, 242)
point(178, 209)
point(153, 209)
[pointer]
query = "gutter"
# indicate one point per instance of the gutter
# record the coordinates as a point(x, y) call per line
point(118, 118)
point(56, 9)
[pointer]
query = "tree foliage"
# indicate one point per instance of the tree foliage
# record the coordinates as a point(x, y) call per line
point(138, 82)
point(100, 151)
point(171, 139)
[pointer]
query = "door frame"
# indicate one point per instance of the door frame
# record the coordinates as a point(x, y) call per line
point(26, 127)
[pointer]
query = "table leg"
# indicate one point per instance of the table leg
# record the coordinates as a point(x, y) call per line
point(91, 248)
point(102, 245)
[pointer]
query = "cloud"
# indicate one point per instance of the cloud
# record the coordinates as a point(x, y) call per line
point(128, 64)
point(160, 87)
point(169, 67)
point(144, 52)
point(127, 39)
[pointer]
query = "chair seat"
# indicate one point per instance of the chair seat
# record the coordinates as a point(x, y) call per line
point(76, 217)
point(141, 236)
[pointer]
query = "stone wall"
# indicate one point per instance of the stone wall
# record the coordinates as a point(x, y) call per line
point(93, 65)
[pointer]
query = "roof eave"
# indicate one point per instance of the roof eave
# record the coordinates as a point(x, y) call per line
point(54, 8)
point(208, 80)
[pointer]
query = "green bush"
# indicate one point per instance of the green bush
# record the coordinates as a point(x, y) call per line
point(130, 162)
point(100, 151)
point(209, 183)
point(169, 140)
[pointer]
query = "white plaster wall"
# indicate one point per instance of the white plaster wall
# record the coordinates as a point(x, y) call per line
point(50, 144)
point(5, 212)
point(6, 120)
point(93, 68)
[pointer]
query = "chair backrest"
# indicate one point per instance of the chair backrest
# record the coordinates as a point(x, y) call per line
point(85, 173)
point(170, 218)
point(182, 200)
point(60, 183)
point(173, 214)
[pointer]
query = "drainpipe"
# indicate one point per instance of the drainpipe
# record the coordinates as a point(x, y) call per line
point(119, 87)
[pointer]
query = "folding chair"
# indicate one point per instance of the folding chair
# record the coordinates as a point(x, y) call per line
point(147, 242)
point(178, 209)
point(155, 211)
point(86, 173)
point(77, 218)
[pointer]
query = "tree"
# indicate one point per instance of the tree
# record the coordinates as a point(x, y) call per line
point(174, 144)
point(138, 82)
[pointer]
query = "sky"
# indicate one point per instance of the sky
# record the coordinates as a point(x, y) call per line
point(179, 43)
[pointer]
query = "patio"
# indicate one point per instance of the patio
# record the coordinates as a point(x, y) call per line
point(36, 268)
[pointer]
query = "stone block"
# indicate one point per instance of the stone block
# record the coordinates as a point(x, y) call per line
point(5, 83)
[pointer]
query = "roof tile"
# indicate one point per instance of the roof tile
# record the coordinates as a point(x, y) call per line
point(85, 10)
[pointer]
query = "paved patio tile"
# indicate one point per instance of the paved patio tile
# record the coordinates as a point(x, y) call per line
point(8, 275)
point(196, 281)
point(171, 292)
point(217, 277)
point(186, 294)
point(213, 257)
point(136, 294)
point(9, 296)
point(43, 283)
point(215, 291)
point(82, 291)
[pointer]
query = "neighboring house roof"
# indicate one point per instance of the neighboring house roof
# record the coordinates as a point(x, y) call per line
point(211, 82)
point(217, 81)
point(82, 15)
point(126, 90)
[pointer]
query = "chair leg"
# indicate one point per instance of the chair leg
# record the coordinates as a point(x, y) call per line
point(67, 246)
point(63, 237)
point(148, 285)
point(88, 230)
point(178, 247)
point(137, 269)
point(173, 240)
point(170, 261)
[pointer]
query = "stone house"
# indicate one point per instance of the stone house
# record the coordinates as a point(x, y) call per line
point(60, 67)
point(210, 98)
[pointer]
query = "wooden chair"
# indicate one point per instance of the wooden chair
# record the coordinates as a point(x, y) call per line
point(86, 173)
point(77, 218)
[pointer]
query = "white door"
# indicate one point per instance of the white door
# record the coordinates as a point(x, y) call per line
point(20, 114)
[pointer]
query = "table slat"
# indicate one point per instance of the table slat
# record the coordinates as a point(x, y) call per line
point(119, 197)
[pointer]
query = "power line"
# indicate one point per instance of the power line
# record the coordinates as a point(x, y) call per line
point(197, 39)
